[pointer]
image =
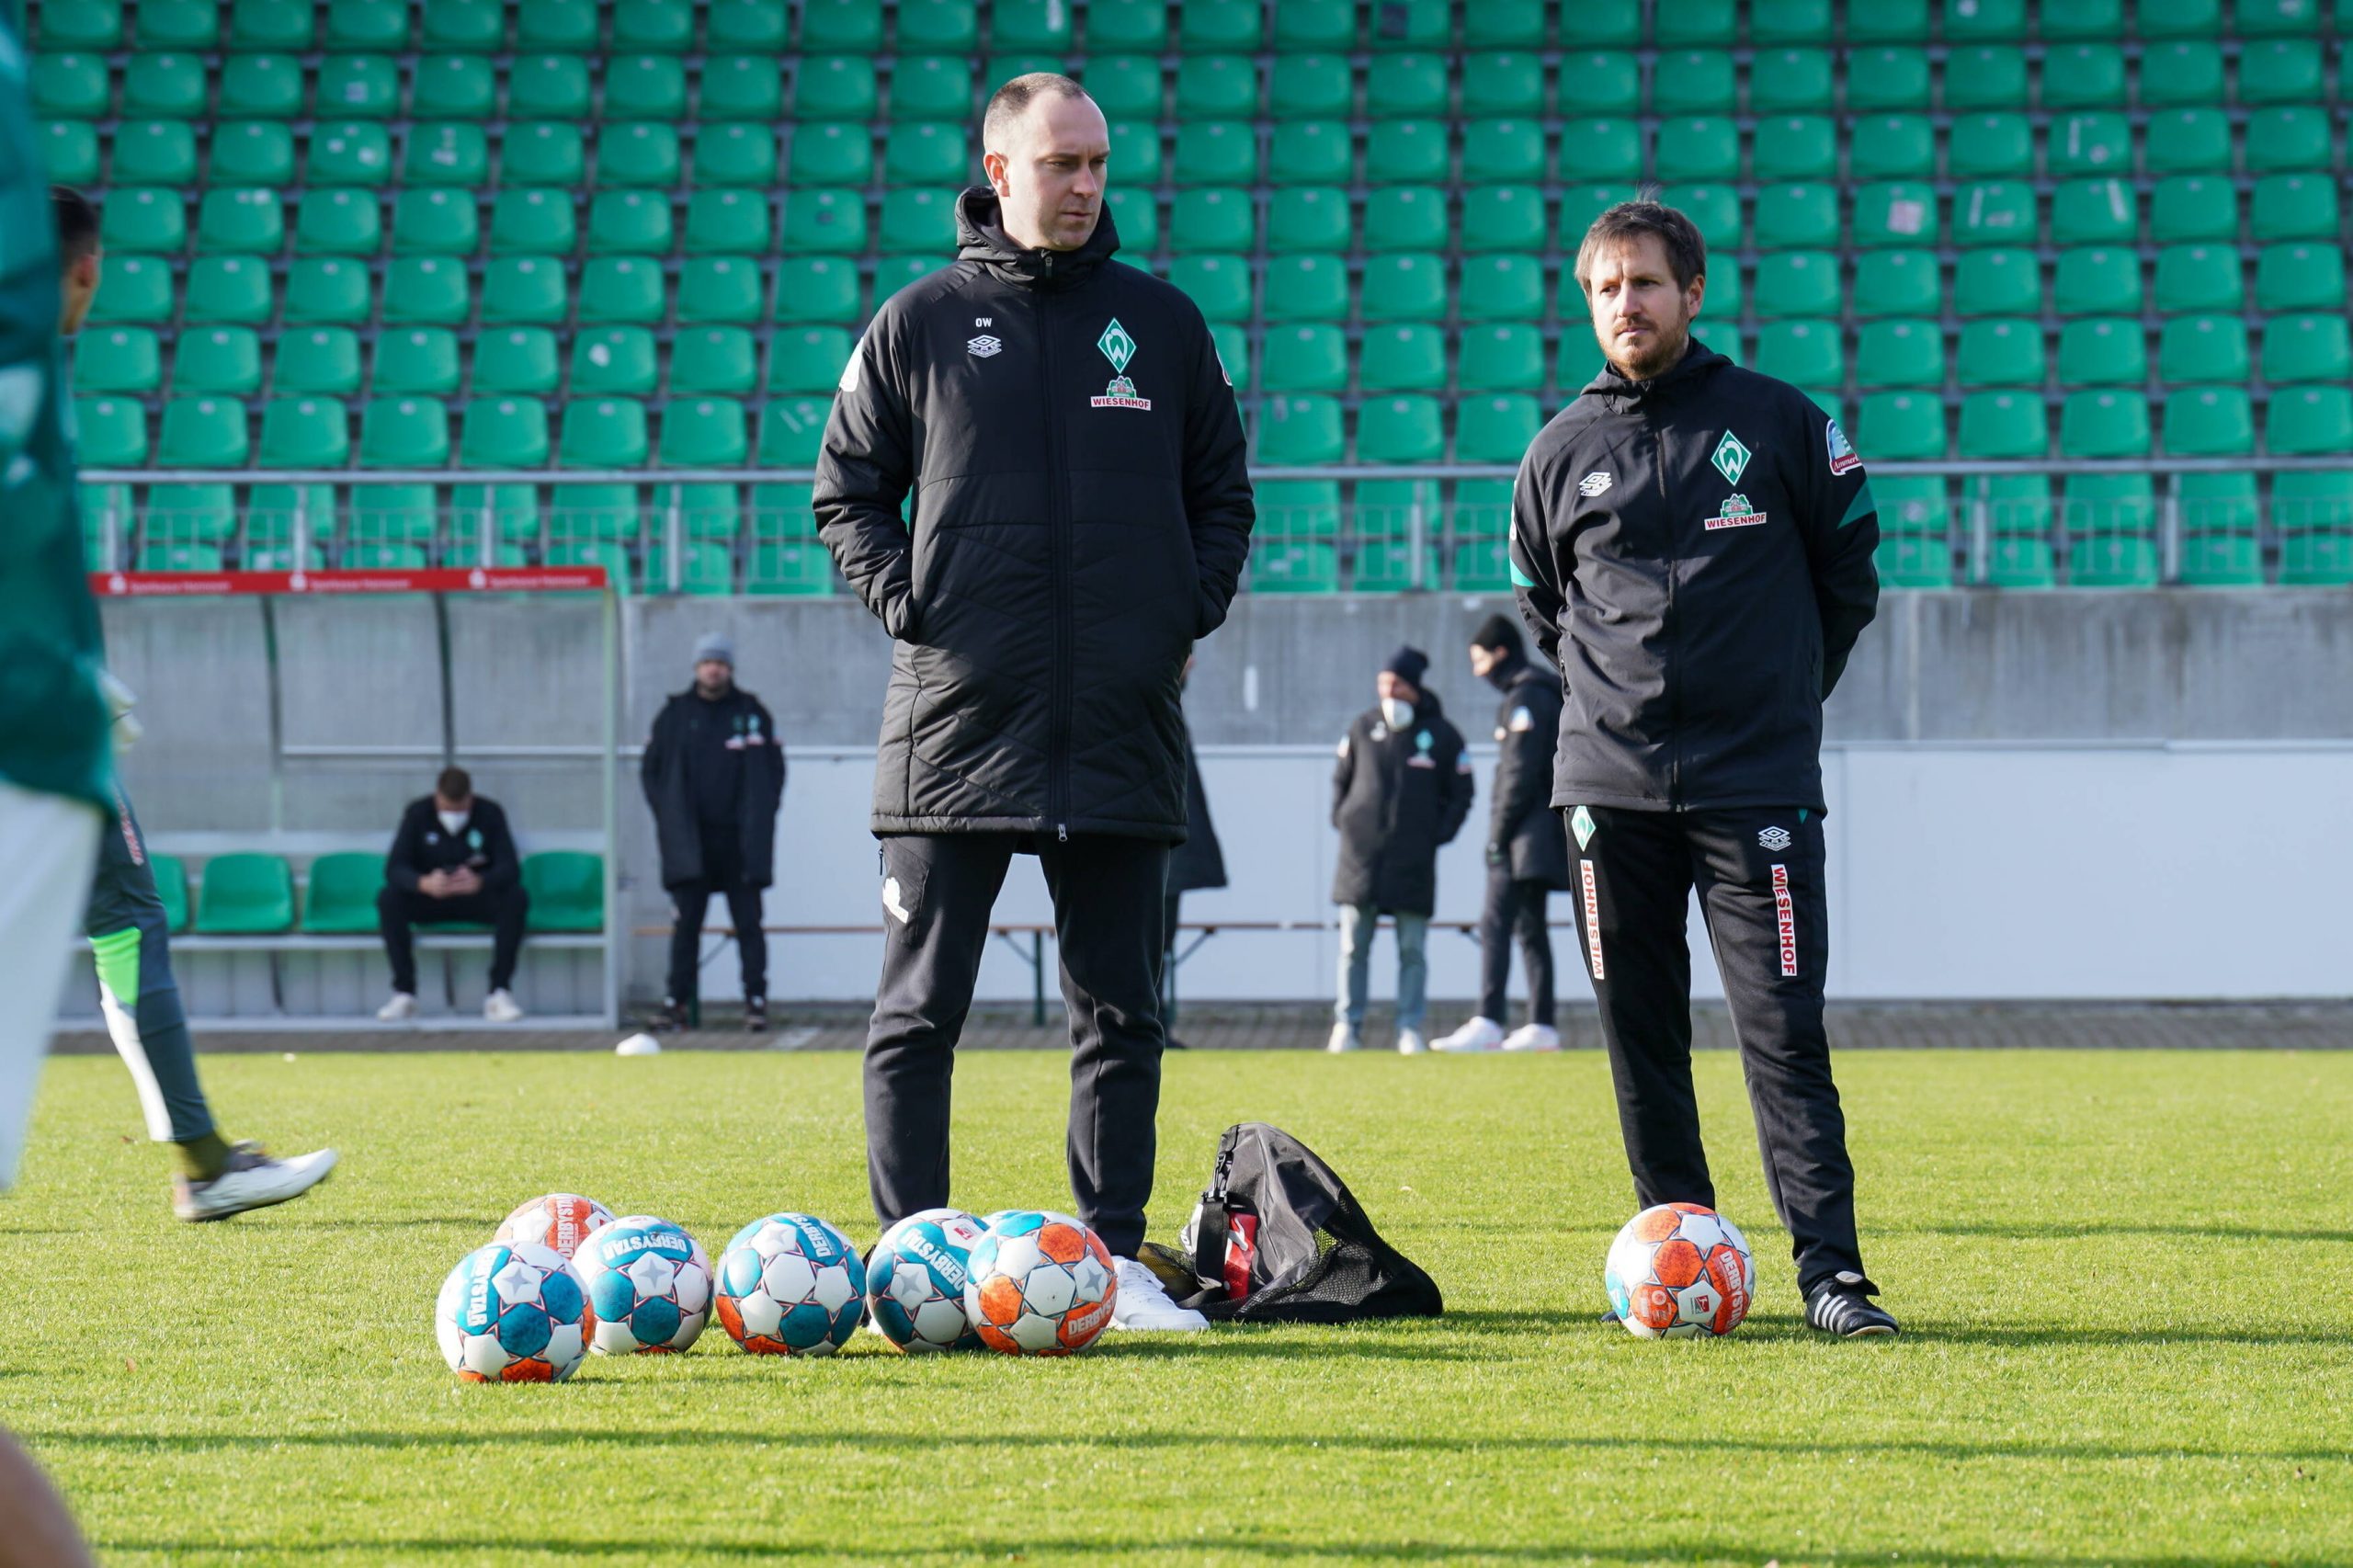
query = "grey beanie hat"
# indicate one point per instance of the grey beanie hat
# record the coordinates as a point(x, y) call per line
point(715, 646)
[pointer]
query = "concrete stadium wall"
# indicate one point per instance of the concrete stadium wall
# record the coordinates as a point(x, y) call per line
point(2032, 795)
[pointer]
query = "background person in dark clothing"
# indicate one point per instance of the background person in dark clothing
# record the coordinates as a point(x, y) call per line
point(1402, 790)
point(713, 773)
point(1528, 853)
point(1082, 513)
point(1692, 546)
point(453, 860)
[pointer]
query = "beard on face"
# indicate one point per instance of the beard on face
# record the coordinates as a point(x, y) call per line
point(1664, 348)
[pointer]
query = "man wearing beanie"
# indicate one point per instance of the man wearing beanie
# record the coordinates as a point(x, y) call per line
point(1527, 855)
point(1401, 790)
point(714, 775)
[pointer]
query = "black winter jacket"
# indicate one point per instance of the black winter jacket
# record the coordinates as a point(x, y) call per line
point(693, 740)
point(1082, 514)
point(1199, 861)
point(1693, 553)
point(1397, 795)
point(421, 843)
point(1523, 830)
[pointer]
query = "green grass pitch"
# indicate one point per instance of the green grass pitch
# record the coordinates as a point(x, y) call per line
point(2126, 1280)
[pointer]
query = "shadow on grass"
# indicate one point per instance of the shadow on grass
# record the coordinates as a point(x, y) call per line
point(2027, 1231)
point(1776, 1328)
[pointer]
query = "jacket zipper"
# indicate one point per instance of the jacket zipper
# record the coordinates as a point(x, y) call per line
point(1674, 682)
point(1059, 548)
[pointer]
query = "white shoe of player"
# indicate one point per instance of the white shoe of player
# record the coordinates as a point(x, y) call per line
point(501, 1008)
point(400, 1008)
point(1479, 1034)
point(1344, 1040)
point(1410, 1043)
point(1142, 1303)
point(1533, 1037)
point(251, 1181)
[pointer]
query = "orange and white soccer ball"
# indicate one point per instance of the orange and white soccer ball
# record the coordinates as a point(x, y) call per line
point(1680, 1271)
point(560, 1222)
point(1039, 1284)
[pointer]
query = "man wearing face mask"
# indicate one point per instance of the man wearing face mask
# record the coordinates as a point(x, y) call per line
point(452, 859)
point(1400, 792)
point(1080, 514)
point(1691, 544)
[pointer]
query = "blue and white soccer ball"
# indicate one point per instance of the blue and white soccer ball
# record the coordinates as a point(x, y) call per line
point(648, 1284)
point(512, 1313)
point(915, 1277)
point(791, 1285)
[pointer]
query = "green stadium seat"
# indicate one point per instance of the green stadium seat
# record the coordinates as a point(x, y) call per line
point(1312, 287)
point(1696, 147)
point(1309, 218)
point(2314, 512)
point(2221, 558)
point(359, 87)
point(1581, 204)
point(2107, 504)
point(171, 885)
point(2282, 137)
point(2201, 348)
point(721, 359)
point(1915, 561)
point(1232, 345)
point(1301, 428)
point(850, 25)
point(504, 432)
point(1506, 286)
point(2095, 212)
point(306, 432)
point(1895, 212)
point(1407, 287)
point(824, 220)
point(1602, 149)
point(1988, 75)
point(1994, 212)
point(2200, 277)
point(733, 222)
point(645, 86)
point(1808, 353)
point(2304, 348)
point(1503, 151)
point(512, 511)
point(938, 27)
point(350, 152)
point(1911, 503)
point(1399, 428)
point(360, 25)
point(1298, 508)
point(817, 289)
point(1307, 358)
point(154, 152)
point(2020, 564)
point(2097, 280)
point(404, 432)
point(1792, 283)
point(923, 154)
point(791, 430)
point(1303, 568)
point(143, 220)
point(2281, 70)
point(462, 27)
point(1715, 209)
point(1387, 567)
point(2303, 421)
point(1410, 24)
point(2105, 423)
point(1040, 27)
point(249, 152)
point(604, 432)
point(2214, 503)
point(244, 894)
point(1511, 219)
point(155, 555)
point(746, 155)
point(2112, 561)
point(2180, 71)
point(543, 154)
point(620, 361)
point(1304, 26)
point(1791, 80)
point(1403, 356)
point(338, 223)
point(1980, 146)
point(69, 152)
point(121, 360)
point(453, 86)
point(1139, 147)
point(704, 432)
point(1967, 20)
point(773, 568)
point(2298, 277)
point(434, 221)
point(833, 86)
point(323, 359)
point(424, 360)
point(1504, 358)
point(1216, 86)
point(163, 86)
point(2095, 351)
point(1407, 151)
point(2179, 18)
point(2272, 17)
point(2208, 421)
point(2191, 140)
point(327, 291)
point(1213, 219)
point(2003, 424)
point(523, 291)
point(1218, 285)
point(1797, 217)
point(566, 889)
point(629, 222)
point(112, 432)
point(718, 288)
point(396, 515)
point(250, 222)
point(1893, 282)
point(383, 557)
point(637, 154)
point(742, 88)
point(1309, 87)
point(1796, 147)
point(1499, 84)
point(190, 514)
point(1694, 80)
point(918, 220)
point(1498, 428)
point(2090, 143)
point(657, 26)
point(1127, 87)
point(1901, 353)
point(138, 288)
point(2195, 207)
point(1886, 78)
point(227, 289)
point(556, 26)
point(543, 91)
point(93, 24)
point(1892, 147)
point(2083, 76)
point(2293, 207)
point(785, 511)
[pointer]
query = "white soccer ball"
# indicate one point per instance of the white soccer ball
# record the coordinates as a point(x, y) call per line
point(648, 1284)
point(511, 1314)
point(560, 1222)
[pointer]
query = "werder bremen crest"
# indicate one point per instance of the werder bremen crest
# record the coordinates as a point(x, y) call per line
point(1119, 349)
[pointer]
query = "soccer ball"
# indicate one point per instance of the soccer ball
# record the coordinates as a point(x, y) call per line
point(560, 1222)
point(791, 1285)
point(915, 1281)
point(511, 1314)
point(648, 1284)
point(1041, 1284)
point(1679, 1271)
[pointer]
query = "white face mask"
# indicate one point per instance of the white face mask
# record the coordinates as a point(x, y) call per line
point(1397, 711)
point(452, 820)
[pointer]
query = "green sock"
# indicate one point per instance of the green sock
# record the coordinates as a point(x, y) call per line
point(202, 1158)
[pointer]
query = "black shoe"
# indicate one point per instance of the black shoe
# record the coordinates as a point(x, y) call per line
point(670, 1019)
point(1845, 1312)
point(755, 1016)
point(1609, 1315)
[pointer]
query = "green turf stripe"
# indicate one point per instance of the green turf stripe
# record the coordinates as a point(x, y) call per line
point(118, 956)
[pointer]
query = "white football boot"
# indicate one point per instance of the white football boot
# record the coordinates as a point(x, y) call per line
point(1410, 1043)
point(251, 1180)
point(400, 1009)
point(1533, 1037)
point(1479, 1034)
point(1142, 1303)
point(501, 1008)
point(1344, 1040)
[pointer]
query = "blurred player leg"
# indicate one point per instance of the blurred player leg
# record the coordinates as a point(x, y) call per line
point(1412, 980)
point(47, 842)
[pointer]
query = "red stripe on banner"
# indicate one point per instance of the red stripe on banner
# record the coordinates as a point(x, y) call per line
point(1785, 915)
point(1592, 918)
point(428, 580)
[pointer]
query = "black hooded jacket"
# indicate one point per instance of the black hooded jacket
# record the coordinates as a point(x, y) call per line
point(1523, 830)
point(1080, 514)
point(1397, 795)
point(1693, 553)
point(713, 773)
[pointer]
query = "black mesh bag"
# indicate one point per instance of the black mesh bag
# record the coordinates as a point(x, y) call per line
point(1278, 1238)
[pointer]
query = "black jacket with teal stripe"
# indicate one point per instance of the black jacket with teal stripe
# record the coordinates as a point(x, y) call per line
point(1693, 555)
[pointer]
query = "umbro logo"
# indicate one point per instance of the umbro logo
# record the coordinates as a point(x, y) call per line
point(1593, 483)
point(984, 347)
point(1774, 838)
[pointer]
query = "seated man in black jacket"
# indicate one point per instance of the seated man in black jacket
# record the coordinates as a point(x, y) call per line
point(453, 860)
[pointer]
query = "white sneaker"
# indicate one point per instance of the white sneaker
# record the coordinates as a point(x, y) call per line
point(1142, 1303)
point(252, 1180)
point(1343, 1039)
point(1533, 1037)
point(1410, 1043)
point(1479, 1034)
point(403, 1006)
point(501, 1008)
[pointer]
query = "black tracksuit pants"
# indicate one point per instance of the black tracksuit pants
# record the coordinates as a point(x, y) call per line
point(501, 909)
point(1513, 910)
point(722, 873)
point(1760, 878)
point(937, 892)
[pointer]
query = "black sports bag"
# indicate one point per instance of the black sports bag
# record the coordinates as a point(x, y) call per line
point(1278, 1238)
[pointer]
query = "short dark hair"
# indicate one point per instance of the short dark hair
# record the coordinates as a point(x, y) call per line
point(1687, 250)
point(455, 784)
point(77, 224)
point(1498, 635)
point(1008, 102)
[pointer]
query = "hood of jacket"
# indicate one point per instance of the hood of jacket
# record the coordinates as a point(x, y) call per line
point(1506, 673)
point(981, 237)
point(1614, 384)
